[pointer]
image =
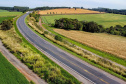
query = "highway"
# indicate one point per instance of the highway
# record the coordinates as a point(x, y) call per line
point(90, 73)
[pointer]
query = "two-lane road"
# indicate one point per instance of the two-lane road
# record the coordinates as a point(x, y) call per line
point(92, 74)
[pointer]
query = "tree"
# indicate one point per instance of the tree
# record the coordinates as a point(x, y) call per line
point(7, 24)
point(82, 8)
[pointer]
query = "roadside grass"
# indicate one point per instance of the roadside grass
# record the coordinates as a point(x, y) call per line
point(51, 72)
point(106, 19)
point(98, 64)
point(9, 74)
point(5, 14)
point(91, 49)
point(4, 18)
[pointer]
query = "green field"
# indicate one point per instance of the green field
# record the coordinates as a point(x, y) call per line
point(3, 10)
point(3, 14)
point(9, 74)
point(106, 20)
point(3, 18)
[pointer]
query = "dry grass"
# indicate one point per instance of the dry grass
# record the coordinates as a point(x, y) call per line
point(67, 11)
point(109, 43)
point(31, 23)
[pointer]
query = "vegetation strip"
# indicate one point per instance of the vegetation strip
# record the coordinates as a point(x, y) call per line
point(92, 62)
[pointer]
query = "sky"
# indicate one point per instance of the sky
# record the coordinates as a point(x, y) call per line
point(113, 4)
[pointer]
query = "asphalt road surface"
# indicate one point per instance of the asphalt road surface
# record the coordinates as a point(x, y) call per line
point(92, 74)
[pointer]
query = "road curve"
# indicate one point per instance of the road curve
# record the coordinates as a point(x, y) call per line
point(86, 70)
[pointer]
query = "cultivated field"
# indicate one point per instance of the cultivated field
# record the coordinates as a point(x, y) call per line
point(3, 18)
point(8, 15)
point(109, 43)
point(4, 14)
point(3, 10)
point(67, 11)
point(9, 74)
point(106, 20)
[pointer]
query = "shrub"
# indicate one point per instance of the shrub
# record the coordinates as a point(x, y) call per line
point(46, 32)
point(7, 24)
point(58, 38)
point(31, 82)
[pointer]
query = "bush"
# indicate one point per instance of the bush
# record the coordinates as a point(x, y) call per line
point(7, 24)
point(58, 38)
point(31, 82)
point(74, 24)
point(46, 32)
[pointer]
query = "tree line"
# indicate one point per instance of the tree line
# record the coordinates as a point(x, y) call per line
point(15, 8)
point(107, 10)
point(48, 8)
point(74, 24)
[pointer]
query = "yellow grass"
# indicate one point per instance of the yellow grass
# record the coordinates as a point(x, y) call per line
point(67, 11)
point(109, 43)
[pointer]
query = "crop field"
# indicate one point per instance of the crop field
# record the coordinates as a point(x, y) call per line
point(3, 18)
point(3, 14)
point(9, 74)
point(67, 11)
point(106, 20)
point(109, 43)
point(3, 10)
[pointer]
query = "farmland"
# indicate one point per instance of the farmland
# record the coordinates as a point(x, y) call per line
point(67, 11)
point(9, 74)
point(3, 18)
point(4, 14)
point(8, 15)
point(3, 10)
point(104, 42)
point(106, 20)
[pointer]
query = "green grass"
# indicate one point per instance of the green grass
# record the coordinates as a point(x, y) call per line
point(9, 74)
point(3, 10)
point(106, 20)
point(3, 14)
point(4, 18)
